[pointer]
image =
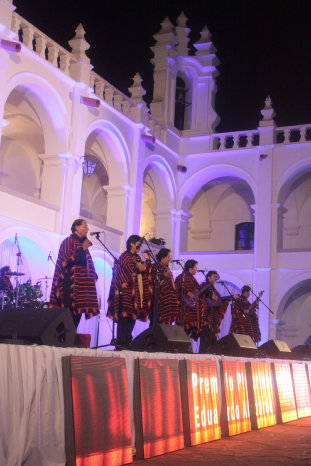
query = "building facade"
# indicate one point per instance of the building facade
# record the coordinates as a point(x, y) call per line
point(237, 202)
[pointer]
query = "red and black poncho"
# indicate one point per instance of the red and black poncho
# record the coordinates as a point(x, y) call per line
point(192, 316)
point(214, 309)
point(129, 298)
point(74, 279)
point(168, 310)
point(245, 319)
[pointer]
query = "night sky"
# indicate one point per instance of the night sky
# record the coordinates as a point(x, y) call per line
point(264, 48)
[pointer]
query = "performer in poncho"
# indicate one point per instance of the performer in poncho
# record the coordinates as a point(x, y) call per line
point(130, 292)
point(188, 289)
point(214, 311)
point(168, 304)
point(74, 279)
point(244, 316)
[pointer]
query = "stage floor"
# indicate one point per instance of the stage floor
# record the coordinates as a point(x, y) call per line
point(288, 444)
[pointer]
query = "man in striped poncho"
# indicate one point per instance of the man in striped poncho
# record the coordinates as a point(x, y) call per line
point(130, 292)
point(74, 279)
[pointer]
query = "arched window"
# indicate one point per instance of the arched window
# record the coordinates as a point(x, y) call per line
point(182, 102)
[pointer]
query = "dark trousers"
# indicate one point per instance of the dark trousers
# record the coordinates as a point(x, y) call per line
point(206, 340)
point(76, 319)
point(124, 332)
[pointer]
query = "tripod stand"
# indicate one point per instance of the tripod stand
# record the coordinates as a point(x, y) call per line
point(113, 341)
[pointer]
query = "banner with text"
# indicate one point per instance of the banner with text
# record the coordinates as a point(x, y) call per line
point(235, 416)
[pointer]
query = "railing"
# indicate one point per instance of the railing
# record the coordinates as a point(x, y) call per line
point(156, 128)
point(235, 140)
point(41, 44)
point(293, 134)
point(111, 95)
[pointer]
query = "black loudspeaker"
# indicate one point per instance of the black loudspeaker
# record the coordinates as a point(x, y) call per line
point(276, 349)
point(301, 352)
point(53, 327)
point(235, 344)
point(162, 338)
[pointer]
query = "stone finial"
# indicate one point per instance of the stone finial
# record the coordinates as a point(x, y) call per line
point(182, 20)
point(182, 33)
point(137, 91)
point(166, 42)
point(79, 45)
point(204, 45)
point(267, 113)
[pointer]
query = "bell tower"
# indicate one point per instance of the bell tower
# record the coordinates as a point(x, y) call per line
point(184, 85)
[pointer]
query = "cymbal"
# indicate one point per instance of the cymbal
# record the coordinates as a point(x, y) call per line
point(45, 278)
point(15, 274)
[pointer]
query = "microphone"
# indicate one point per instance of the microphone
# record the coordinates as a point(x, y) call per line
point(141, 241)
point(96, 233)
point(15, 238)
point(50, 256)
point(175, 260)
point(220, 281)
point(202, 271)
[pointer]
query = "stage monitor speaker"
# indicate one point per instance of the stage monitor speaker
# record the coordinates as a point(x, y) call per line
point(52, 327)
point(301, 352)
point(235, 344)
point(162, 338)
point(276, 348)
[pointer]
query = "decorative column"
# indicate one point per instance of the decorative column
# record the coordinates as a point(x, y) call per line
point(180, 226)
point(6, 10)
point(118, 208)
point(81, 67)
point(137, 91)
point(266, 125)
point(205, 116)
point(278, 212)
point(164, 58)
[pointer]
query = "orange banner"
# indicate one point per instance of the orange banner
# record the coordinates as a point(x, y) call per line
point(203, 401)
point(263, 394)
point(285, 391)
point(235, 388)
point(302, 393)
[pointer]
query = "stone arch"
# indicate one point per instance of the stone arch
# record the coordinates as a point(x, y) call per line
point(214, 188)
point(158, 199)
point(113, 145)
point(294, 207)
point(48, 104)
point(38, 127)
point(293, 302)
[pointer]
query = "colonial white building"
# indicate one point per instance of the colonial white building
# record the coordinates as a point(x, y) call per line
point(183, 182)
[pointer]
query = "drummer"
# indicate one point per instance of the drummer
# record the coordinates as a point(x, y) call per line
point(5, 281)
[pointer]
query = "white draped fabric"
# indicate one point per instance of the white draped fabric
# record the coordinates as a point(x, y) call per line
point(32, 402)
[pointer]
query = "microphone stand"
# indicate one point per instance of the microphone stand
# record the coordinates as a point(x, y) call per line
point(113, 341)
point(19, 263)
point(155, 312)
point(182, 303)
point(258, 299)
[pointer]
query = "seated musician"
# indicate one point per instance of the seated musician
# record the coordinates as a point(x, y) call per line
point(168, 304)
point(5, 281)
point(244, 315)
point(188, 293)
point(214, 311)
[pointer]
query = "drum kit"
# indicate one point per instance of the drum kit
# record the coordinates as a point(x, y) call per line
point(26, 295)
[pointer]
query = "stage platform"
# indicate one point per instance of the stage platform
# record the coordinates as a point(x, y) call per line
point(87, 407)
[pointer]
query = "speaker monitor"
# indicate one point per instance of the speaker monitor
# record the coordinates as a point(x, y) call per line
point(162, 338)
point(301, 352)
point(235, 344)
point(53, 327)
point(276, 349)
